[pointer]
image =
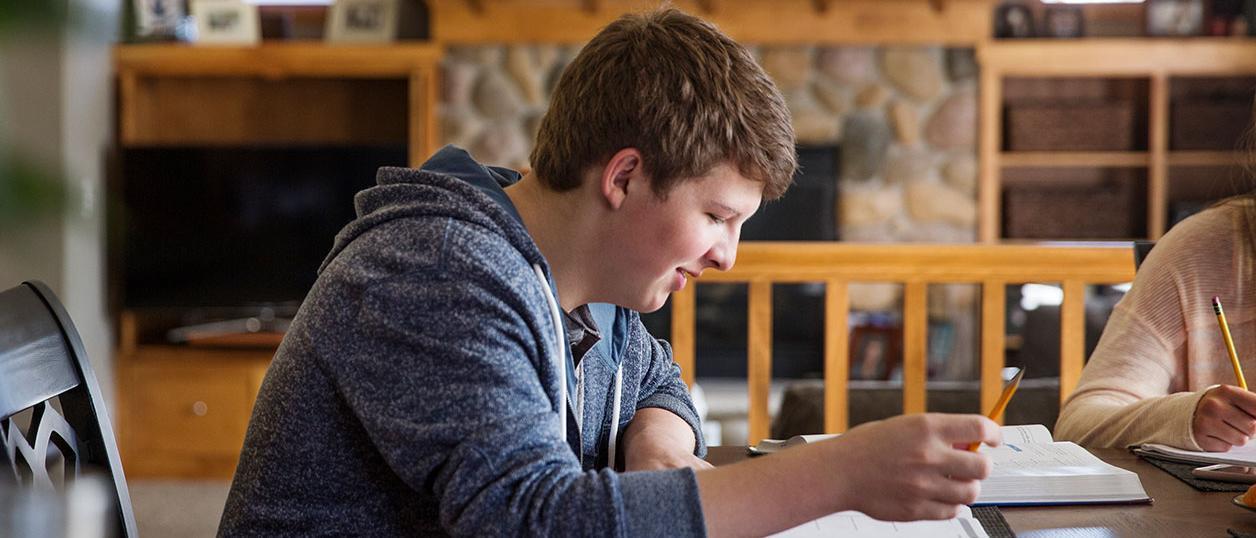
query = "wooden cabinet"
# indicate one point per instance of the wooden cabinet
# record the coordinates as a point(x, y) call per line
point(1153, 76)
point(183, 411)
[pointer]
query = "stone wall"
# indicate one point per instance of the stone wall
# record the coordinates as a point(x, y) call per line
point(904, 117)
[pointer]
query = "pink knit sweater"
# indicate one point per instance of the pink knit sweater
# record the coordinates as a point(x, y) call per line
point(1162, 347)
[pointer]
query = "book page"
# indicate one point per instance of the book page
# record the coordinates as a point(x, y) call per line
point(1046, 459)
point(1026, 433)
point(855, 524)
point(1239, 455)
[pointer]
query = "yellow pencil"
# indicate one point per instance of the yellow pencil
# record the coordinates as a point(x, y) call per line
point(1008, 390)
point(1229, 342)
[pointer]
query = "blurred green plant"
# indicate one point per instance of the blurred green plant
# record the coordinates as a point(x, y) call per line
point(28, 190)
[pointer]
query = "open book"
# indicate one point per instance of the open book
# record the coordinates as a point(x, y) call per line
point(1031, 468)
point(1239, 455)
point(858, 525)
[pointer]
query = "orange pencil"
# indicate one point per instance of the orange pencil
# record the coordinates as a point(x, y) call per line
point(1008, 390)
point(1229, 342)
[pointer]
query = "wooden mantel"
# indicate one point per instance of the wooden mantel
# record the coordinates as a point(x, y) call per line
point(940, 22)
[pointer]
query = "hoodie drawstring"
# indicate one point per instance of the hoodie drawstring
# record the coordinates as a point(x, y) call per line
point(560, 359)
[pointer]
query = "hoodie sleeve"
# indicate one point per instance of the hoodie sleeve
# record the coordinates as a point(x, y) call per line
point(448, 379)
point(662, 386)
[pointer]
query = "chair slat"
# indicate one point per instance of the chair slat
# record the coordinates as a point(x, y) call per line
point(683, 332)
point(759, 357)
point(993, 346)
point(1072, 337)
point(836, 356)
point(915, 331)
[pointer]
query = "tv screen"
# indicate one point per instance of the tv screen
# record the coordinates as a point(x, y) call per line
point(235, 226)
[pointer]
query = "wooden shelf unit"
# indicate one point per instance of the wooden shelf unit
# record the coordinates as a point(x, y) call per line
point(183, 410)
point(290, 92)
point(1155, 61)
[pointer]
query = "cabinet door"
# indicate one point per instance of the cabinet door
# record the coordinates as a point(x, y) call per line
point(191, 410)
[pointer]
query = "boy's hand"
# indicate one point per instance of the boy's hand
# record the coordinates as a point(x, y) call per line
point(909, 468)
point(1225, 417)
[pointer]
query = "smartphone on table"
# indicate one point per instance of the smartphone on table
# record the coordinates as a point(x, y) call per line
point(1227, 473)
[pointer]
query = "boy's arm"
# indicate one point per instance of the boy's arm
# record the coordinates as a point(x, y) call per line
point(662, 393)
point(900, 469)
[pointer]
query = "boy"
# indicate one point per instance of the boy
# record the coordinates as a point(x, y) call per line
point(459, 367)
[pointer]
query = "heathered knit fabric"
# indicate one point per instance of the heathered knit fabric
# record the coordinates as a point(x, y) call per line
point(416, 394)
point(1162, 347)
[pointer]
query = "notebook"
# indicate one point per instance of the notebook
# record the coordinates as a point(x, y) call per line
point(858, 525)
point(1031, 468)
point(1239, 455)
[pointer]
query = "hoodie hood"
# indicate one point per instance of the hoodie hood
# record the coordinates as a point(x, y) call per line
point(450, 184)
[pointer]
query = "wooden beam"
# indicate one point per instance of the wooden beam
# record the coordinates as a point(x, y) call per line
point(793, 22)
point(836, 356)
point(989, 145)
point(1158, 175)
point(759, 357)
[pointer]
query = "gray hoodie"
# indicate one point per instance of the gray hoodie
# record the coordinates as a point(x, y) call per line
point(420, 389)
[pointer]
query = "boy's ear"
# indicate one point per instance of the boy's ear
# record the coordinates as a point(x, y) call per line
point(622, 170)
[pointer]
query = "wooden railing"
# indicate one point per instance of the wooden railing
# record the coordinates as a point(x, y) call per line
point(836, 265)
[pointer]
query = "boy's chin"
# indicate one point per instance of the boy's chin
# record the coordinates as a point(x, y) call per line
point(652, 303)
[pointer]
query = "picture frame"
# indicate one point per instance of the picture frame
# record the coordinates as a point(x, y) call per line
point(157, 19)
point(1013, 21)
point(875, 352)
point(225, 22)
point(362, 21)
point(1175, 18)
point(1064, 22)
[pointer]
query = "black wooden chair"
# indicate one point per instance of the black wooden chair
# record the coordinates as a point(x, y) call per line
point(47, 382)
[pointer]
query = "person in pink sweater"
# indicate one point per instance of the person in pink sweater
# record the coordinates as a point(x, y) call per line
point(1161, 372)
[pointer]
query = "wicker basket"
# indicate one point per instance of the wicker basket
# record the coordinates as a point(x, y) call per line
point(1071, 126)
point(1072, 211)
point(1209, 125)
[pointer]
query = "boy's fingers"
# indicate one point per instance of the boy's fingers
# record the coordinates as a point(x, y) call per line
point(968, 429)
point(964, 465)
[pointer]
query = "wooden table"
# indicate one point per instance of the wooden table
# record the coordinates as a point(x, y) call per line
point(1178, 511)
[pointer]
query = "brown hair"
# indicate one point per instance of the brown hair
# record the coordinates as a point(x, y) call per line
point(677, 89)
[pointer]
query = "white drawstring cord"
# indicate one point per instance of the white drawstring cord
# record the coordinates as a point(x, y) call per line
point(559, 356)
point(611, 442)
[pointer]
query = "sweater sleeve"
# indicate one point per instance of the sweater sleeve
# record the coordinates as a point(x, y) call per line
point(1135, 387)
point(454, 387)
point(662, 386)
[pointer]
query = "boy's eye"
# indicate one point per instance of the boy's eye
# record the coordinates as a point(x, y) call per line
point(715, 218)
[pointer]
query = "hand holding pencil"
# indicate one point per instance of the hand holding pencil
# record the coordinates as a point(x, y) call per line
point(1225, 416)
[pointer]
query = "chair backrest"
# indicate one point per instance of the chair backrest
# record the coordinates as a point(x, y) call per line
point(41, 362)
point(1141, 249)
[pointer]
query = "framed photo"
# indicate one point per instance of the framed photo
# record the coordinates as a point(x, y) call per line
point(363, 21)
point(1175, 17)
point(1013, 21)
point(875, 352)
point(1063, 21)
point(226, 22)
point(157, 18)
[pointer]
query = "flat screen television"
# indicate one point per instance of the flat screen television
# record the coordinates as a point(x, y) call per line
point(207, 227)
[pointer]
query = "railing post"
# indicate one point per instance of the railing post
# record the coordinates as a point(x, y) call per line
point(915, 329)
point(1072, 336)
point(993, 347)
point(759, 357)
point(836, 356)
point(683, 328)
